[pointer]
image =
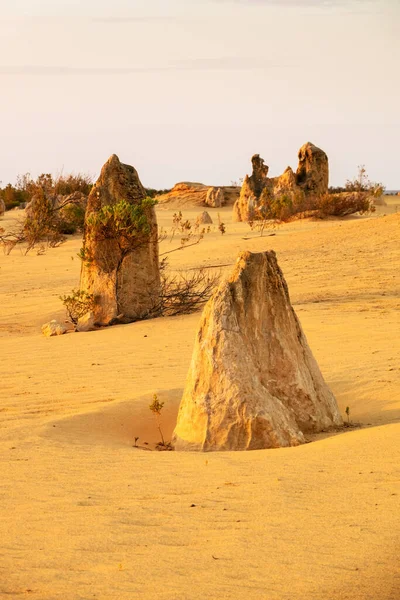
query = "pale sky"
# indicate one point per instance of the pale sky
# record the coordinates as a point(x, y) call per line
point(190, 90)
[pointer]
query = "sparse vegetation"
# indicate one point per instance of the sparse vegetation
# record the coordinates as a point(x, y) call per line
point(156, 407)
point(357, 197)
point(55, 209)
point(183, 293)
point(77, 304)
point(221, 225)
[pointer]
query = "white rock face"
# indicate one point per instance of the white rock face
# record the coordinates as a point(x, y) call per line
point(53, 328)
point(253, 382)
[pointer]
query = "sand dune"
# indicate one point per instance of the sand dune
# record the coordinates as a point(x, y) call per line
point(85, 515)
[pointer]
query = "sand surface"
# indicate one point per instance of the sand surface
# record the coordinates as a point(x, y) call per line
point(84, 515)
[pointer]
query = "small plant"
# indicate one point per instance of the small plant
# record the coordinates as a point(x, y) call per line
point(347, 411)
point(84, 256)
point(221, 225)
point(136, 441)
point(77, 304)
point(156, 407)
point(183, 293)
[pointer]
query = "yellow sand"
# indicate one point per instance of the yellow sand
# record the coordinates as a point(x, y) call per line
point(86, 516)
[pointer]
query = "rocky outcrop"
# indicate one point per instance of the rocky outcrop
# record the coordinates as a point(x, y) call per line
point(204, 219)
point(312, 175)
point(53, 328)
point(2, 207)
point(251, 190)
point(253, 382)
point(122, 271)
point(215, 197)
point(310, 179)
point(192, 195)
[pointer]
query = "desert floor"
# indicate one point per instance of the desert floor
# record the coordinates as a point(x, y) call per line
point(84, 515)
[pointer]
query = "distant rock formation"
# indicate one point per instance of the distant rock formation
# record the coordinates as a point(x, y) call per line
point(2, 207)
point(124, 278)
point(215, 197)
point(191, 195)
point(253, 382)
point(204, 219)
point(310, 179)
point(312, 174)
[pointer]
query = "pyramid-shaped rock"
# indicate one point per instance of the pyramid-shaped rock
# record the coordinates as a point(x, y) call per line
point(253, 382)
point(123, 276)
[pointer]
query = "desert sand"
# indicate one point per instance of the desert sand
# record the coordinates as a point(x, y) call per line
point(84, 515)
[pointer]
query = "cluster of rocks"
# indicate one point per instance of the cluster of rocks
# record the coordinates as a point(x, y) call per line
point(253, 382)
point(310, 179)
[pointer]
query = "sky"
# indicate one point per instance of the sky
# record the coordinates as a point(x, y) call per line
point(190, 90)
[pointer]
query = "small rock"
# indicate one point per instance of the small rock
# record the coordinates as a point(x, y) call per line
point(86, 323)
point(53, 328)
point(204, 219)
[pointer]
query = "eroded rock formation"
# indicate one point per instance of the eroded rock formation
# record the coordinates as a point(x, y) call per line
point(312, 175)
point(122, 273)
point(253, 382)
point(215, 197)
point(191, 195)
point(310, 179)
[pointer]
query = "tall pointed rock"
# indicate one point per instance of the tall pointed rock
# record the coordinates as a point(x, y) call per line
point(121, 271)
point(312, 174)
point(253, 382)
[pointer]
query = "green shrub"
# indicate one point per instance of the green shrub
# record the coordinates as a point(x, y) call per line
point(77, 304)
point(124, 222)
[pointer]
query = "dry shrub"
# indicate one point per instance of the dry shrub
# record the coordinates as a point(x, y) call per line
point(283, 208)
point(56, 207)
point(344, 204)
point(183, 293)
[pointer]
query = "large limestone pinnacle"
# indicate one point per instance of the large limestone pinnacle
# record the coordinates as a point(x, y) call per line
point(253, 382)
point(125, 284)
